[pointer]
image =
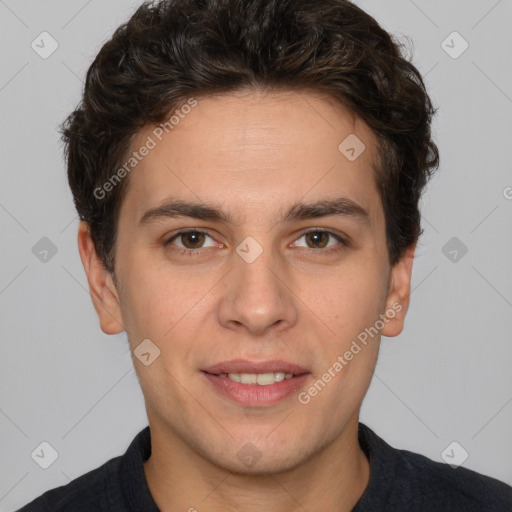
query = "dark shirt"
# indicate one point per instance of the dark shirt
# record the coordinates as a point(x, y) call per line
point(399, 481)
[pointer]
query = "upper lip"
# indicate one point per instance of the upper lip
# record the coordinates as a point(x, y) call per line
point(246, 366)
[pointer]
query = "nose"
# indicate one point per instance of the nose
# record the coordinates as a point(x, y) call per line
point(257, 297)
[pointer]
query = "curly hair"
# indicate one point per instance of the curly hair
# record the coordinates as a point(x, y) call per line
point(171, 50)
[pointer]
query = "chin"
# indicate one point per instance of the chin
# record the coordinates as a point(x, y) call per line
point(262, 466)
point(259, 456)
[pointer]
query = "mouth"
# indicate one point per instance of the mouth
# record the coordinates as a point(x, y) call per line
point(256, 383)
point(261, 379)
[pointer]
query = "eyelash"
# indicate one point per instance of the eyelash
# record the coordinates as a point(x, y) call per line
point(194, 252)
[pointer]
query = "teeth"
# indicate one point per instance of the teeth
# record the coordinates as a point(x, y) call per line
point(248, 378)
point(263, 379)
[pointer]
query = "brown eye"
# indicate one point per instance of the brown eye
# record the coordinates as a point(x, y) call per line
point(192, 239)
point(318, 239)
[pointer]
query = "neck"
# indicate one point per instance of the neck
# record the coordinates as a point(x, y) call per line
point(181, 479)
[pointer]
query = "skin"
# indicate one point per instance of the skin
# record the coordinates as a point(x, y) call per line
point(253, 155)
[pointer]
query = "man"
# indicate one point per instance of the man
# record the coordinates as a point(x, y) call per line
point(247, 176)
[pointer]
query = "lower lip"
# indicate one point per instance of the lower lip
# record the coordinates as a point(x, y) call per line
point(254, 395)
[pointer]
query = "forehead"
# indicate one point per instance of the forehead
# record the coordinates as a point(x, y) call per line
point(254, 152)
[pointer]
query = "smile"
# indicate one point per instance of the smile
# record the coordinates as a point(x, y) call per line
point(262, 379)
point(256, 384)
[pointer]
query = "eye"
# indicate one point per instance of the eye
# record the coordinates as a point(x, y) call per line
point(321, 239)
point(190, 240)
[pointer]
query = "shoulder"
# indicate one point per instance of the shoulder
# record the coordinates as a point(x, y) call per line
point(403, 480)
point(109, 487)
point(91, 491)
point(455, 488)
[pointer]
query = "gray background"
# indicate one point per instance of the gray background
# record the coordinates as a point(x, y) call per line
point(445, 378)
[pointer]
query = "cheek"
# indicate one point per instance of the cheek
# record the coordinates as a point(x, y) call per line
point(168, 308)
point(151, 303)
point(351, 308)
point(349, 300)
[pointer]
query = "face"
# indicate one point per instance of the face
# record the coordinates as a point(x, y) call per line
point(249, 244)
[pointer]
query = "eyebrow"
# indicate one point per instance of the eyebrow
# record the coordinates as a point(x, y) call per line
point(343, 207)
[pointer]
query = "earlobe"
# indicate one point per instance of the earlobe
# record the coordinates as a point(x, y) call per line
point(397, 302)
point(102, 288)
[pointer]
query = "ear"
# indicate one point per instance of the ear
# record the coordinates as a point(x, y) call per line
point(397, 302)
point(101, 285)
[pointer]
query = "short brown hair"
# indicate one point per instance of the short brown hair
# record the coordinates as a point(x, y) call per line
point(173, 49)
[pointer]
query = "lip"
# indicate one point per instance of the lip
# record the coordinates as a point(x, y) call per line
point(254, 395)
point(246, 366)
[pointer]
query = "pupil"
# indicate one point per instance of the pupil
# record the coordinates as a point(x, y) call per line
point(194, 238)
point(316, 238)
